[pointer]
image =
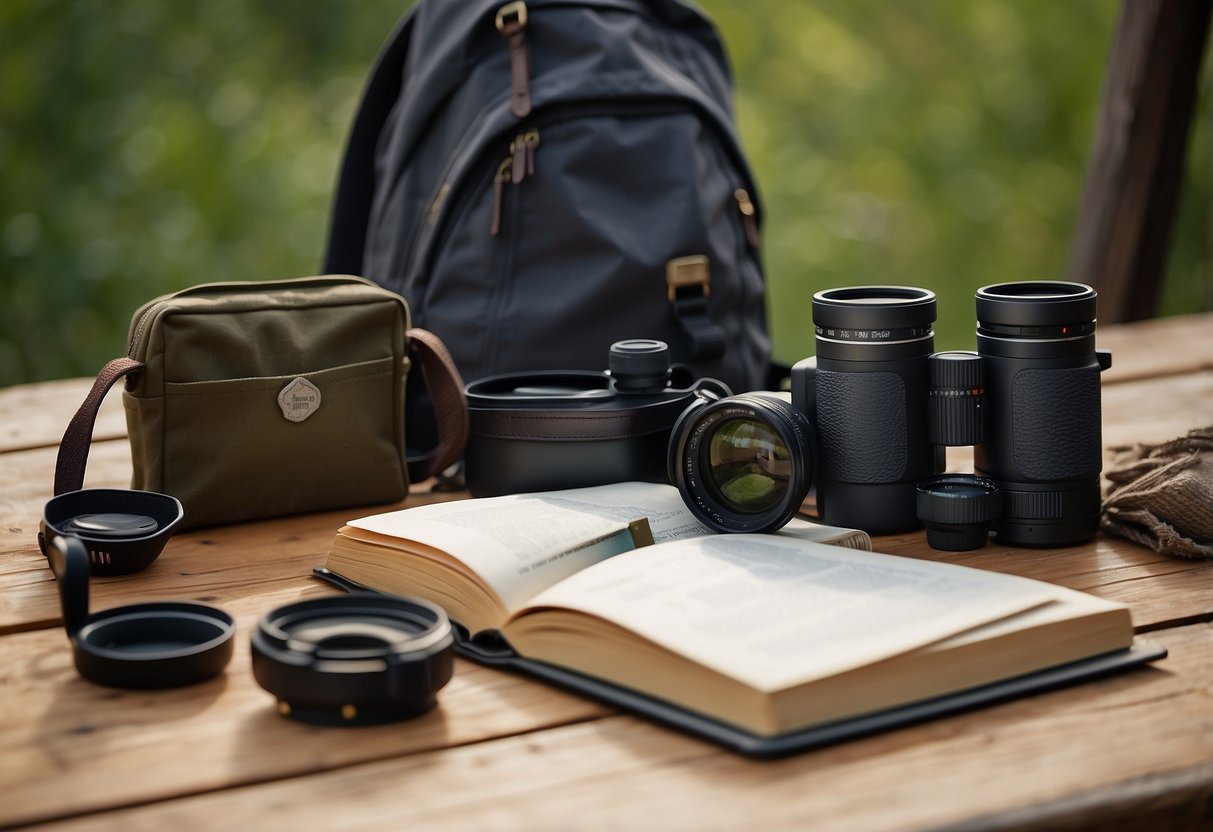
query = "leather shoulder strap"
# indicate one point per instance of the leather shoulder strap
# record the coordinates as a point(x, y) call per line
point(445, 386)
point(73, 449)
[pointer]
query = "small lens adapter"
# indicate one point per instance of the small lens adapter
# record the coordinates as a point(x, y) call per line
point(360, 659)
point(743, 463)
point(957, 510)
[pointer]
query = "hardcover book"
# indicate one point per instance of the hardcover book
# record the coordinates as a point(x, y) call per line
point(766, 642)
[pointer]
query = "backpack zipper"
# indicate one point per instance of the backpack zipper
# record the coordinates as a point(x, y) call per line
point(749, 216)
point(517, 167)
point(451, 198)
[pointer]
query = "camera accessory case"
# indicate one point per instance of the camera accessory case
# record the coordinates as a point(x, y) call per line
point(248, 400)
point(157, 645)
point(360, 659)
point(545, 431)
point(123, 531)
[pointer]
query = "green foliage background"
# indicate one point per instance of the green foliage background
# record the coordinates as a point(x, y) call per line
point(149, 146)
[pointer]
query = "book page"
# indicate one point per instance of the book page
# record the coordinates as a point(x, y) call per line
point(521, 544)
point(774, 612)
point(518, 544)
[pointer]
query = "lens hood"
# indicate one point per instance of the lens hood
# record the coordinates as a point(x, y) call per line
point(156, 645)
point(360, 659)
point(123, 531)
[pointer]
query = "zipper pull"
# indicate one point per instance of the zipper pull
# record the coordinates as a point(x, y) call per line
point(518, 154)
point(511, 23)
point(522, 150)
point(749, 217)
point(531, 139)
point(499, 182)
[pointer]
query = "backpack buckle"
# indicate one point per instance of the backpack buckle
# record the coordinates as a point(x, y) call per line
point(511, 13)
point(687, 272)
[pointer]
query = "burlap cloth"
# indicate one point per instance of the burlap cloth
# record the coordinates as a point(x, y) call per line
point(1161, 496)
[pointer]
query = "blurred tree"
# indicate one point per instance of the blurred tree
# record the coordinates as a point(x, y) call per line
point(150, 146)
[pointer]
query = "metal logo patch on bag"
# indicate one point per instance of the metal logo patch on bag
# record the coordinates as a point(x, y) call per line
point(299, 399)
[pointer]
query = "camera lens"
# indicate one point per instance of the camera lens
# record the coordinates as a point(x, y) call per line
point(749, 466)
point(744, 463)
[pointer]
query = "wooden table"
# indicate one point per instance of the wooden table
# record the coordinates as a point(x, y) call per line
point(505, 752)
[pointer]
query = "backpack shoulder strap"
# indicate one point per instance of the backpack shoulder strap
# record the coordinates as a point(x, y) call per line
point(356, 184)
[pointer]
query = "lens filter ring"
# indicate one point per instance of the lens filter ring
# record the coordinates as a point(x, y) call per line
point(359, 659)
point(874, 314)
point(1050, 309)
point(743, 463)
point(957, 510)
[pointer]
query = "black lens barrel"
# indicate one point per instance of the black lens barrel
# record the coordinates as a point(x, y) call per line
point(1043, 444)
point(870, 404)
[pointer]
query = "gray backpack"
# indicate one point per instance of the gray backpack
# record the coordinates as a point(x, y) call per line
point(541, 179)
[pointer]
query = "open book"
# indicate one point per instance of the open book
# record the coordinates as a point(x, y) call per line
point(767, 633)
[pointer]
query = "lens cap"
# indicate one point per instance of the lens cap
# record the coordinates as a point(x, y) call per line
point(123, 530)
point(158, 645)
point(361, 659)
point(957, 510)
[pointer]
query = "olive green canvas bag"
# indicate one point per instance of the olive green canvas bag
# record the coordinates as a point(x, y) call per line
point(253, 400)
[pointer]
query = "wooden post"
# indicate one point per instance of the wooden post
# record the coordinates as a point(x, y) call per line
point(1137, 159)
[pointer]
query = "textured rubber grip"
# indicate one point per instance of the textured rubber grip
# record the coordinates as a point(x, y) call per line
point(861, 425)
point(1055, 421)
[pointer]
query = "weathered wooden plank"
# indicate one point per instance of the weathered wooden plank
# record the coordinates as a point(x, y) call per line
point(35, 415)
point(69, 747)
point(1134, 747)
point(1157, 347)
point(238, 561)
point(219, 564)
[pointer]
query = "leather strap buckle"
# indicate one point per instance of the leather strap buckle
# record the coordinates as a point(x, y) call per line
point(687, 272)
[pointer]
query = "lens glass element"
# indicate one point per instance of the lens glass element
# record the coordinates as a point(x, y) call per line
point(749, 465)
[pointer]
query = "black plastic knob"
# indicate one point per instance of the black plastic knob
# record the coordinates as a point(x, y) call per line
point(639, 365)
